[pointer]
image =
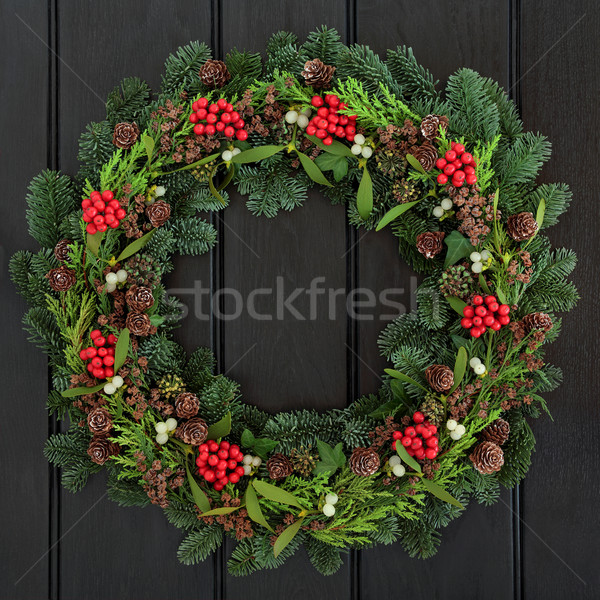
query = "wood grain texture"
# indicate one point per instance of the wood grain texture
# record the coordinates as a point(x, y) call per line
point(24, 504)
point(559, 86)
point(432, 29)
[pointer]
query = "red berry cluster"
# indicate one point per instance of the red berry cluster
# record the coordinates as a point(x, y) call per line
point(101, 355)
point(218, 117)
point(101, 211)
point(458, 164)
point(485, 313)
point(219, 464)
point(327, 122)
point(419, 440)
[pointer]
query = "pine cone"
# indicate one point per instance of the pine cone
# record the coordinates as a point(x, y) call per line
point(521, 226)
point(433, 409)
point(139, 298)
point(496, 432)
point(170, 386)
point(158, 213)
point(430, 126)
point(193, 432)
point(279, 466)
point(439, 377)
point(538, 320)
point(487, 458)
point(61, 279)
point(99, 421)
point(317, 74)
point(187, 405)
point(426, 154)
point(364, 462)
point(125, 135)
point(429, 244)
point(61, 250)
point(138, 323)
point(101, 449)
point(214, 74)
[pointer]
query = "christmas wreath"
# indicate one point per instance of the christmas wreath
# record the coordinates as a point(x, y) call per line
point(450, 174)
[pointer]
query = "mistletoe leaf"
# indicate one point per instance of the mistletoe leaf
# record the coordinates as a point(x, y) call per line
point(407, 458)
point(287, 535)
point(457, 304)
point(438, 491)
point(80, 391)
point(312, 170)
point(121, 349)
point(136, 246)
point(220, 428)
point(254, 510)
point(394, 213)
point(272, 492)
point(256, 154)
point(223, 510)
point(214, 191)
point(93, 242)
point(458, 247)
point(335, 147)
point(200, 497)
point(541, 211)
point(364, 197)
point(415, 164)
point(148, 143)
point(460, 367)
point(402, 377)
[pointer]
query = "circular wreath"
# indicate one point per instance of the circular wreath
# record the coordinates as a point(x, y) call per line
point(450, 174)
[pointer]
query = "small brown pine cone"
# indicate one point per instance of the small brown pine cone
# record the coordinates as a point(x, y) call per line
point(538, 320)
point(430, 126)
point(364, 462)
point(214, 74)
point(158, 213)
point(101, 449)
point(487, 458)
point(496, 432)
point(429, 244)
point(99, 421)
point(317, 74)
point(279, 466)
point(61, 279)
point(139, 298)
point(426, 154)
point(187, 405)
point(138, 323)
point(193, 432)
point(439, 377)
point(125, 135)
point(61, 250)
point(521, 226)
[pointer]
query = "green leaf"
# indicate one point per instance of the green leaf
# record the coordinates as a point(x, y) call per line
point(214, 191)
point(541, 211)
point(457, 304)
point(312, 170)
point(397, 375)
point(121, 349)
point(80, 391)
point(333, 162)
point(459, 341)
point(460, 367)
point(224, 510)
point(148, 143)
point(400, 398)
point(254, 510)
point(261, 446)
point(272, 492)
point(336, 147)
point(227, 179)
point(458, 247)
point(199, 496)
point(438, 491)
point(394, 213)
point(364, 197)
point(136, 246)
point(287, 535)
point(157, 320)
point(331, 458)
point(198, 163)
point(256, 154)
point(220, 428)
point(501, 296)
point(415, 164)
point(94, 241)
point(483, 284)
point(407, 458)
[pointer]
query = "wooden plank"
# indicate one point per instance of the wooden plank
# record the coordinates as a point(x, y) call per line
point(286, 363)
point(441, 42)
point(114, 552)
point(559, 85)
point(24, 507)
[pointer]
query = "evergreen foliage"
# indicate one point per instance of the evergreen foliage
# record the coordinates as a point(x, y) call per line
point(127, 102)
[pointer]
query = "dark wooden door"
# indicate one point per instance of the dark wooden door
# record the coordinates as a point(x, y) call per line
point(58, 62)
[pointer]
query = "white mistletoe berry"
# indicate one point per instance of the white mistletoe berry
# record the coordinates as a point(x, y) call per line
point(451, 425)
point(117, 381)
point(110, 388)
point(110, 287)
point(112, 278)
point(302, 121)
point(438, 212)
point(171, 424)
point(160, 191)
point(446, 204)
point(475, 257)
point(247, 460)
point(247, 469)
point(121, 275)
point(331, 498)
point(479, 369)
point(227, 155)
point(161, 427)
point(162, 438)
point(455, 436)
point(367, 151)
point(399, 470)
point(474, 362)
point(235, 151)
point(460, 430)
point(485, 255)
point(291, 116)
point(476, 267)
point(328, 510)
point(394, 460)
point(359, 139)
point(256, 461)
point(356, 149)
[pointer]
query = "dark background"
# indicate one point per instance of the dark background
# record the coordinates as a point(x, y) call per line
point(58, 62)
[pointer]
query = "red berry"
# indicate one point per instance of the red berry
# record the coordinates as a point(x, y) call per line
point(223, 453)
point(416, 443)
point(95, 333)
point(331, 128)
point(410, 431)
point(213, 446)
point(210, 130)
point(242, 135)
point(426, 433)
point(343, 120)
point(96, 362)
point(229, 131)
point(211, 118)
point(477, 321)
point(235, 117)
point(112, 339)
point(199, 128)
point(99, 205)
point(222, 465)
point(466, 158)
point(430, 453)
point(316, 101)
point(477, 300)
point(222, 103)
point(494, 306)
point(110, 218)
point(91, 352)
point(229, 107)
point(481, 311)
point(83, 355)
point(433, 428)
point(220, 126)
point(203, 448)
point(504, 319)
point(234, 478)
point(469, 312)
point(406, 441)
point(332, 118)
point(107, 195)
point(202, 114)
point(323, 112)
point(120, 213)
point(440, 163)
point(99, 373)
point(98, 220)
point(488, 320)
point(419, 428)
point(240, 471)
point(95, 196)
point(442, 179)
point(459, 148)
point(496, 326)
point(471, 179)
point(109, 372)
point(503, 309)
point(311, 130)
point(203, 456)
point(420, 453)
point(449, 169)
point(340, 131)
point(108, 361)
point(213, 108)
point(469, 170)
point(86, 203)
point(202, 103)
point(475, 332)
point(328, 140)
point(231, 464)
point(350, 130)
point(457, 163)
point(418, 417)
point(466, 323)
point(490, 299)
point(459, 174)
point(213, 460)
point(397, 435)
point(99, 341)
point(209, 475)
point(450, 155)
